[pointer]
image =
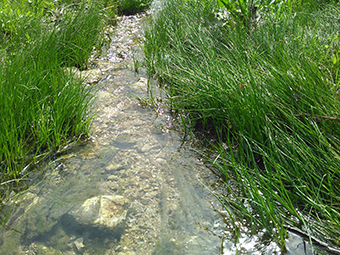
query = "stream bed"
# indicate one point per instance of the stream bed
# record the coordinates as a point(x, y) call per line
point(134, 187)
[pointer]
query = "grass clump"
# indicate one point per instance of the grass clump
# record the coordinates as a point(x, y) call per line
point(43, 106)
point(268, 89)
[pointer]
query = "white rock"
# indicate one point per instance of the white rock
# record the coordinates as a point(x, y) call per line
point(92, 76)
point(79, 243)
point(107, 210)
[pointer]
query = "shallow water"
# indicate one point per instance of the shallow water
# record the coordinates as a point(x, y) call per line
point(131, 189)
point(134, 187)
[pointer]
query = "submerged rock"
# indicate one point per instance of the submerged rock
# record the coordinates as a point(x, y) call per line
point(92, 76)
point(79, 243)
point(107, 210)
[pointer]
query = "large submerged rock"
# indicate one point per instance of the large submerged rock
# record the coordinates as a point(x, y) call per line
point(106, 210)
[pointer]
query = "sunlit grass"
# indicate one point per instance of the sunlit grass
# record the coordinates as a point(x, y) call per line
point(270, 94)
point(43, 107)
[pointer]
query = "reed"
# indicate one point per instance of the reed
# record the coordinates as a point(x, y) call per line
point(269, 94)
point(43, 107)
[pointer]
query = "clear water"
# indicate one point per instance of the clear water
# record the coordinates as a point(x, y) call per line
point(134, 187)
point(132, 155)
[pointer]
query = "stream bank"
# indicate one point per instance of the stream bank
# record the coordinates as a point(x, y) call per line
point(134, 187)
point(127, 191)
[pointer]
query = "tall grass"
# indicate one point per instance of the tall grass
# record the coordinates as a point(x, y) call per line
point(269, 93)
point(43, 108)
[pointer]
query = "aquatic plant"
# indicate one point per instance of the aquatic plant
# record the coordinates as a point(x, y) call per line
point(43, 107)
point(269, 97)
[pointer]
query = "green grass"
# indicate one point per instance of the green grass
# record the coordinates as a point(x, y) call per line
point(44, 108)
point(268, 91)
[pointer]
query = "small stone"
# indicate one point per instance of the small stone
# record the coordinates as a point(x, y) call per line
point(161, 161)
point(134, 228)
point(79, 243)
point(73, 70)
point(112, 177)
point(70, 253)
point(146, 148)
point(111, 245)
point(146, 175)
point(124, 241)
point(112, 167)
point(93, 76)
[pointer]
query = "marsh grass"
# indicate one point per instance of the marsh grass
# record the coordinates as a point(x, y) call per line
point(269, 93)
point(77, 33)
point(43, 107)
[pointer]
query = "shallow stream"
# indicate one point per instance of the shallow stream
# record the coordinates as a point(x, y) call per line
point(134, 187)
